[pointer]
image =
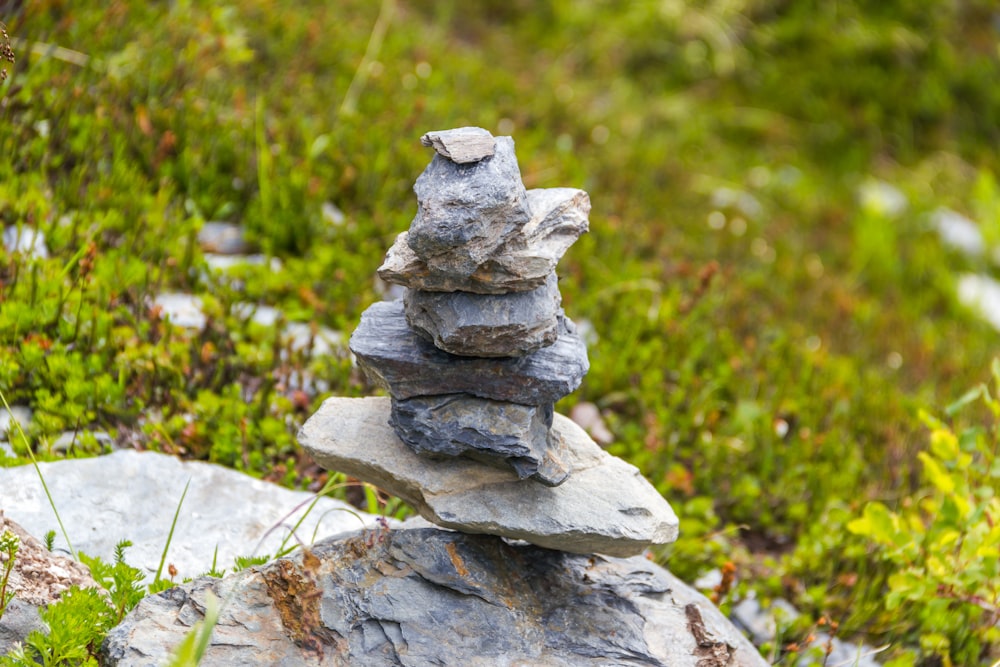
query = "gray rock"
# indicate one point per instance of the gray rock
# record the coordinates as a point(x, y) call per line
point(18, 413)
point(25, 240)
point(494, 432)
point(183, 310)
point(38, 578)
point(605, 505)
point(133, 495)
point(223, 238)
point(461, 145)
point(419, 597)
point(465, 211)
point(487, 325)
point(398, 359)
point(523, 262)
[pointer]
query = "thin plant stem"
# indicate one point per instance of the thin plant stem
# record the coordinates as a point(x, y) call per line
point(350, 104)
point(170, 535)
point(41, 477)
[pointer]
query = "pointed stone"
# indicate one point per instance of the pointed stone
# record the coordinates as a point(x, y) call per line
point(466, 211)
point(487, 325)
point(523, 262)
point(605, 506)
point(461, 145)
point(498, 433)
point(407, 365)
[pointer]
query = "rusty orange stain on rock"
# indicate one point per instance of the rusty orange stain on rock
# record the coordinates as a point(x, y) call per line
point(456, 560)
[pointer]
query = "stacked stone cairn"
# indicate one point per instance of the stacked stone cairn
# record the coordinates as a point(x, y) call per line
point(473, 357)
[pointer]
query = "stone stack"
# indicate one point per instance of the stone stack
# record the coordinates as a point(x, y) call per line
point(478, 350)
point(473, 357)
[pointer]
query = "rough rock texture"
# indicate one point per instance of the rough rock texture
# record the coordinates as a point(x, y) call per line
point(487, 325)
point(461, 145)
point(494, 432)
point(407, 365)
point(465, 211)
point(133, 495)
point(431, 597)
point(521, 263)
point(605, 506)
point(39, 578)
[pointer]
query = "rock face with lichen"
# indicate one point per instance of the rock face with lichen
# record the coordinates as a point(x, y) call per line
point(426, 596)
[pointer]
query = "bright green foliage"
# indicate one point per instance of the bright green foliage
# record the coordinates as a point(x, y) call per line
point(943, 544)
point(9, 544)
point(122, 581)
point(77, 624)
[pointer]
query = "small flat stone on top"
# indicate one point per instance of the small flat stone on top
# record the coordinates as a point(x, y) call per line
point(461, 145)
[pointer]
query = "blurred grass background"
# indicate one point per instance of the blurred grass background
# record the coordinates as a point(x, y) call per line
point(769, 298)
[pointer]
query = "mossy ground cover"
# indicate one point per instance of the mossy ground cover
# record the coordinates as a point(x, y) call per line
point(764, 338)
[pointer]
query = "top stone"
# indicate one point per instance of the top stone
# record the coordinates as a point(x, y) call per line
point(461, 145)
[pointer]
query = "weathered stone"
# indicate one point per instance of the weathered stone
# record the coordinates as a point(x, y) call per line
point(223, 238)
point(605, 505)
point(494, 432)
point(407, 365)
point(133, 495)
point(39, 578)
point(523, 262)
point(465, 211)
point(430, 597)
point(461, 145)
point(487, 325)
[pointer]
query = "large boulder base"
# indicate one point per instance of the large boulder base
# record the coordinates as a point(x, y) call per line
point(605, 505)
point(426, 596)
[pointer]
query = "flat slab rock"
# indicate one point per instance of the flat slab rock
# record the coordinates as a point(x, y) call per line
point(487, 325)
point(522, 262)
point(425, 596)
point(133, 495)
point(407, 365)
point(605, 506)
point(461, 145)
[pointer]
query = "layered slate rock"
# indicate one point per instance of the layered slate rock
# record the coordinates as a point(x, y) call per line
point(478, 325)
point(490, 431)
point(432, 597)
point(466, 211)
point(523, 262)
point(604, 506)
point(408, 365)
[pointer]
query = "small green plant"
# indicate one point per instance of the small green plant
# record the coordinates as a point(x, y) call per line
point(77, 624)
point(9, 544)
point(122, 581)
point(943, 545)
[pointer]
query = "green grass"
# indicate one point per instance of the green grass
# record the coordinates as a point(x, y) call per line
point(766, 337)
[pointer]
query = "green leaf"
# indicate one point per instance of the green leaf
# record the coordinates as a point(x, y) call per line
point(936, 474)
